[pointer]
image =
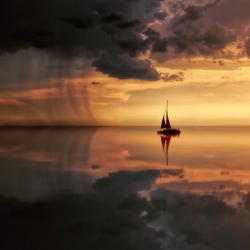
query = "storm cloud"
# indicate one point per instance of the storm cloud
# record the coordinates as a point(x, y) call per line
point(113, 35)
point(91, 30)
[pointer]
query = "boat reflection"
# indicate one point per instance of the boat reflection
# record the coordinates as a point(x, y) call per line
point(165, 142)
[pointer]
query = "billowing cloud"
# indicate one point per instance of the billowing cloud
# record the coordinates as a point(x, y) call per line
point(119, 32)
point(92, 30)
point(193, 40)
point(126, 67)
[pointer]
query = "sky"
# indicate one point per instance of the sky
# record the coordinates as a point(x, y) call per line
point(117, 62)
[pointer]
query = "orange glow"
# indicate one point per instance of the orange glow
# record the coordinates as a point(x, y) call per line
point(11, 102)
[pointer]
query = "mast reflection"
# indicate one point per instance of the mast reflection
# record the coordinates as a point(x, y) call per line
point(165, 142)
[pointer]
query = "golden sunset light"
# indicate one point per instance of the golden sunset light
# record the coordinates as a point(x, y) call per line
point(188, 54)
point(124, 124)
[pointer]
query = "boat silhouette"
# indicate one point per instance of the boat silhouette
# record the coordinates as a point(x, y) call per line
point(166, 127)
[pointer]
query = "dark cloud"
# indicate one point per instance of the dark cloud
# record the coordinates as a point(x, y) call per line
point(126, 67)
point(121, 29)
point(89, 29)
point(231, 15)
point(129, 24)
point(135, 45)
point(161, 15)
point(216, 38)
point(190, 32)
point(192, 40)
point(80, 23)
point(21, 26)
point(177, 77)
point(247, 47)
point(159, 46)
point(246, 201)
point(194, 13)
point(113, 17)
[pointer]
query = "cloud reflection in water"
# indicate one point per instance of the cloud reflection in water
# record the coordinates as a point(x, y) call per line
point(114, 215)
point(88, 189)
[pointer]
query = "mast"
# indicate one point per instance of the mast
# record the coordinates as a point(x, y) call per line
point(167, 105)
point(167, 113)
point(167, 120)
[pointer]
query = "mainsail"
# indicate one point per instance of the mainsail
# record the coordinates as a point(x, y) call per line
point(163, 124)
point(167, 121)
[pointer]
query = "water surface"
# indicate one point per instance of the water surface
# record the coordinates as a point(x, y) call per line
point(125, 188)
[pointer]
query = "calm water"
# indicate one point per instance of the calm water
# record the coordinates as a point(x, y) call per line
point(125, 188)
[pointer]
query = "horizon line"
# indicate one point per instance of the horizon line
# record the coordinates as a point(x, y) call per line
point(100, 126)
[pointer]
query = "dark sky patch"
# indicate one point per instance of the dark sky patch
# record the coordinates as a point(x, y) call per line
point(161, 15)
point(80, 23)
point(129, 24)
point(22, 27)
point(113, 17)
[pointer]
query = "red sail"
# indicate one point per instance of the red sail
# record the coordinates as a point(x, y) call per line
point(163, 124)
point(167, 122)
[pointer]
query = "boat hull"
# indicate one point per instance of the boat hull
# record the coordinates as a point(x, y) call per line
point(171, 131)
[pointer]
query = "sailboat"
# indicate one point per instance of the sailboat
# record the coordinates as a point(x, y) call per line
point(166, 127)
